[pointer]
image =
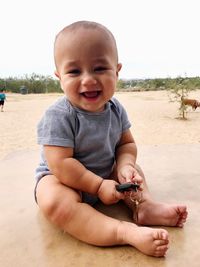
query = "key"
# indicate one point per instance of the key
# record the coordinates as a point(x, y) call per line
point(135, 212)
point(127, 187)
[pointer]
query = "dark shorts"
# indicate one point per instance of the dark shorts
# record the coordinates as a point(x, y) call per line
point(1, 102)
point(86, 197)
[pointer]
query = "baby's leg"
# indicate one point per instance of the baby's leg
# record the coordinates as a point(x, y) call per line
point(151, 212)
point(63, 207)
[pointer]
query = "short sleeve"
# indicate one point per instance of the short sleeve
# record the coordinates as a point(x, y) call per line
point(56, 128)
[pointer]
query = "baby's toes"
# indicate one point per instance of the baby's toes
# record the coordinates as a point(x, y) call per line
point(182, 211)
point(160, 251)
point(184, 215)
point(182, 219)
point(161, 242)
point(161, 234)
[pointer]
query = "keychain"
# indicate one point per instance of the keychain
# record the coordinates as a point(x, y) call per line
point(136, 202)
point(133, 188)
point(127, 187)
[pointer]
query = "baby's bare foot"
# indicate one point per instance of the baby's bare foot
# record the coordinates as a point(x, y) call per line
point(154, 213)
point(152, 242)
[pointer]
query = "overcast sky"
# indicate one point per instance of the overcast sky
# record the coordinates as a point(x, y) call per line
point(156, 38)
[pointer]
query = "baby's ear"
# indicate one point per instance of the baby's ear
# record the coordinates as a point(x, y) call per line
point(119, 66)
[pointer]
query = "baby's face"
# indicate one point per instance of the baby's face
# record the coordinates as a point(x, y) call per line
point(87, 68)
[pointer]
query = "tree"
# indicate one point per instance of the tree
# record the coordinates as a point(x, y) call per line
point(180, 88)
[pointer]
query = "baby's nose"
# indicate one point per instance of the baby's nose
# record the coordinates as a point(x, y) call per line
point(88, 79)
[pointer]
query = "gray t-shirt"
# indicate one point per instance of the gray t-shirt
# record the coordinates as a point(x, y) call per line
point(93, 136)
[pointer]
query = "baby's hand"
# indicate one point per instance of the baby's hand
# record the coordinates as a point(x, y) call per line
point(107, 192)
point(128, 174)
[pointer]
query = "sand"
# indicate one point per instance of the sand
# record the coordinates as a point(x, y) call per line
point(169, 155)
point(153, 117)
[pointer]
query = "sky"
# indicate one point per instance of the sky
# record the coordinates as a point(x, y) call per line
point(155, 38)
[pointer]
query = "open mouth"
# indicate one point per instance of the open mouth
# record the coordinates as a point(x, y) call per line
point(91, 94)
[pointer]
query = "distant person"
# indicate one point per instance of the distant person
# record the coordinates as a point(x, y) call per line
point(2, 99)
point(88, 149)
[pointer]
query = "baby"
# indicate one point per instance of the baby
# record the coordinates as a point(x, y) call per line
point(88, 149)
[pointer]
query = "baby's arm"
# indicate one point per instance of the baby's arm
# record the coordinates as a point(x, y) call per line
point(72, 173)
point(126, 154)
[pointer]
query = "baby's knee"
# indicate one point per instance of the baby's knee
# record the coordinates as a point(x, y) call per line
point(58, 210)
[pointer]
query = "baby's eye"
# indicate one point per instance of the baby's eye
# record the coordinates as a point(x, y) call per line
point(100, 69)
point(74, 71)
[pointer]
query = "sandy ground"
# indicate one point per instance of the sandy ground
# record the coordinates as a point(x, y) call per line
point(28, 239)
point(153, 116)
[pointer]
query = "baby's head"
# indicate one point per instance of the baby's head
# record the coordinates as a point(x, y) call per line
point(76, 29)
point(86, 61)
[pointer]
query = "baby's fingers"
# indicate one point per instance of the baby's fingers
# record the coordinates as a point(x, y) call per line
point(119, 195)
point(137, 179)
